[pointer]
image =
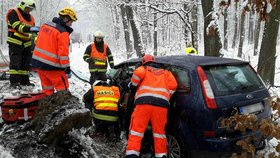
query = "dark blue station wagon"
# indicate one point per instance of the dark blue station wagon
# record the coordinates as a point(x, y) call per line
point(209, 88)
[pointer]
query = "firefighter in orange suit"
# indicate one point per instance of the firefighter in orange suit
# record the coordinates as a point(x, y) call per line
point(103, 101)
point(96, 55)
point(51, 54)
point(20, 25)
point(154, 86)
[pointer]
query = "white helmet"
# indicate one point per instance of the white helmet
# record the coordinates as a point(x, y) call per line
point(100, 83)
point(27, 3)
point(98, 34)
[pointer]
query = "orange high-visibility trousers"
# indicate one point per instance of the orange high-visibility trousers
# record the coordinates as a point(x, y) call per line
point(139, 121)
point(53, 80)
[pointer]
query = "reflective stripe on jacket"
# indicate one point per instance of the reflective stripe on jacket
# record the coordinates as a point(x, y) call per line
point(52, 47)
point(154, 86)
point(99, 62)
point(22, 23)
point(105, 103)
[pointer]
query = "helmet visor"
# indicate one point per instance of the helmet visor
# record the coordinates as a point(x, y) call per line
point(31, 6)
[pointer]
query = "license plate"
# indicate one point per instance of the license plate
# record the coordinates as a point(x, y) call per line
point(250, 109)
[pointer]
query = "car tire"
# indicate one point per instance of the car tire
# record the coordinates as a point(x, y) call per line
point(176, 147)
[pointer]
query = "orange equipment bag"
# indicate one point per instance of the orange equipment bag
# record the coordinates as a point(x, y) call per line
point(20, 108)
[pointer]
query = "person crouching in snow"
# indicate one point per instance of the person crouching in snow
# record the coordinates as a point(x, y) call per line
point(103, 101)
point(51, 54)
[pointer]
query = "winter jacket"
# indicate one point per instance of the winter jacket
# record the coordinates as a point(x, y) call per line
point(19, 24)
point(154, 85)
point(97, 55)
point(103, 102)
point(52, 47)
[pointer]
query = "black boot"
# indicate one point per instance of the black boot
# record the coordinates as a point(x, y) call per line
point(14, 81)
point(131, 156)
point(25, 81)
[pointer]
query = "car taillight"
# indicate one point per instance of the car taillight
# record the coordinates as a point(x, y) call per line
point(209, 133)
point(207, 90)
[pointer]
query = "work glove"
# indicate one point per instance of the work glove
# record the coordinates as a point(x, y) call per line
point(34, 29)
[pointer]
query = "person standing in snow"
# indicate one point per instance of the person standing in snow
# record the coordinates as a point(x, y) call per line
point(51, 54)
point(154, 87)
point(103, 101)
point(20, 26)
point(96, 55)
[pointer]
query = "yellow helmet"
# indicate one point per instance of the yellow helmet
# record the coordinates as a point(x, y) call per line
point(191, 50)
point(26, 4)
point(70, 12)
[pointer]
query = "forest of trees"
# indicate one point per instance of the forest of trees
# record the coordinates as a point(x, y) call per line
point(166, 27)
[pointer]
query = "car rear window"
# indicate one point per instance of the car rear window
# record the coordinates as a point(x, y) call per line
point(228, 79)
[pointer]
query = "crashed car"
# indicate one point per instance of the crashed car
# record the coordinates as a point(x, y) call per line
point(209, 88)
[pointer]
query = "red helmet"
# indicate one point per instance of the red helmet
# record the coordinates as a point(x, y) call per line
point(148, 58)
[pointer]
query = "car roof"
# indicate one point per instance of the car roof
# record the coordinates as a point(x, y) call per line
point(188, 61)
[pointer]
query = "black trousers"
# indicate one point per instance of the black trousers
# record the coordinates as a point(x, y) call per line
point(97, 76)
point(110, 129)
point(20, 58)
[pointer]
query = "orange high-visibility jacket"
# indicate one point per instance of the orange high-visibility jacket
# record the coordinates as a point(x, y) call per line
point(22, 23)
point(100, 56)
point(154, 86)
point(106, 98)
point(52, 47)
point(105, 102)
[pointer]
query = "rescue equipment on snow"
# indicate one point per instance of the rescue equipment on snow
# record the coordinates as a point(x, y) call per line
point(20, 108)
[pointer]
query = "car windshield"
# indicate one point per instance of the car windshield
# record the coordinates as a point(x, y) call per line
point(235, 79)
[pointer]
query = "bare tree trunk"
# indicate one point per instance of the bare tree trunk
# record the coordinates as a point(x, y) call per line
point(186, 32)
point(226, 28)
point(116, 21)
point(135, 31)
point(155, 35)
point(113, 21)
point(145, 25)
point(241, 36)
point(251, 27)
point(266, 64)
point(195, 25)
point(235, 25)
point(212, 43)
point(128, 42)
point(257, 35)
point(2, 24)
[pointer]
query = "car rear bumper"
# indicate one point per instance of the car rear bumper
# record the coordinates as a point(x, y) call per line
point(205, 154)
point(224, 144)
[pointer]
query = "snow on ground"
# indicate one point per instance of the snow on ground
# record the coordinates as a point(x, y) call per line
point(78, 88)
point(4, 153)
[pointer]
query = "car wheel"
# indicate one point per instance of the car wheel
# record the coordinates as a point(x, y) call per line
point(176, 147)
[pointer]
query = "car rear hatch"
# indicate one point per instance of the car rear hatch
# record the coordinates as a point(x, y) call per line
point(237, 87)
point(227, 88)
